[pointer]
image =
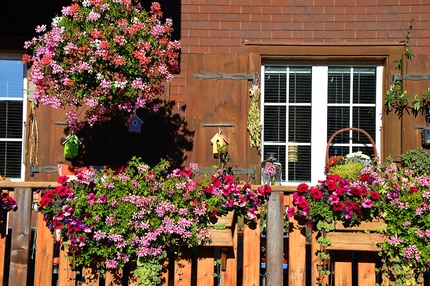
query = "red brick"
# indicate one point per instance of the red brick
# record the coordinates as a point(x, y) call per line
point(313, 26)
point(198, 33)
point(271, 10)
point(210, 9)
point(219, 33)
point(322, 35)
point(197, 50)
point(282, 35)
point(190, 41)
point(365, 18)
point(198, 17)
point(211, 42)
point(293, 26)
point(263, 17)
point(231, 9)
point(334, 26)
point(237, 50)
point(355, 26)
point(305, 3)
point(377, 26)
point(219, 50)
point(334, 10)
point(209, 25)
point(230, 17)
point(297, 35)
point(323, 18)
point(282, 18)
point(355, 10)
point(262, 3)
point(251, 26)
point(185, 25)
point(190, 9)
point(261, 34)
point(388, 2)
point(344, 18)
point(251, 9)
point(341, 3)
point(365, 34)
point(302, 18)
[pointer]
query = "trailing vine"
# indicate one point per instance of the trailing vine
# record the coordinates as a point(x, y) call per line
point(397, 98)
point(253, 124)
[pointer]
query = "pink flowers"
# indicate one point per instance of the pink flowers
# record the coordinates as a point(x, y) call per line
point(83, 55)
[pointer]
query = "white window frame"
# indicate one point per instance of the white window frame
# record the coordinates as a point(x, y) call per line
point(23, 118)
point(319, 127)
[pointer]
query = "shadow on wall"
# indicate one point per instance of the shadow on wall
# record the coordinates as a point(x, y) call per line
point(163, 135)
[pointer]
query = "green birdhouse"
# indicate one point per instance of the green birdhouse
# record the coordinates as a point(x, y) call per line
point(71, 146)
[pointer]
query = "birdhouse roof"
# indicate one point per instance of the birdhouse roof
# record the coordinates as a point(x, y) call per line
point(218, 137)
point(70, 137)
point(138, 118)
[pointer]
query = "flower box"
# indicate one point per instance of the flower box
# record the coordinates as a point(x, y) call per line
point(222, 237)
point(355, 238)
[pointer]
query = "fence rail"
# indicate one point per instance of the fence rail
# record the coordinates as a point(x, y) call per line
point(275, 257)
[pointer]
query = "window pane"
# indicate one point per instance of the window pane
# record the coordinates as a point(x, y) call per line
point(364, 118)
point(338, 118)
point(364, 88)
point(275, 124)
point(339, 81)
point(11, 75)
point(275, 85)
point(300, 85)
point(279, 153)
point(299, 124)
point(10, 159)
point(10, 119)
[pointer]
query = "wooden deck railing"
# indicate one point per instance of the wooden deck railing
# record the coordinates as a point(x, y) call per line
point(27, 253)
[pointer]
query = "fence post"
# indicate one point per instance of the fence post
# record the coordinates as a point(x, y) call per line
point(274, 239)
point(20, 246)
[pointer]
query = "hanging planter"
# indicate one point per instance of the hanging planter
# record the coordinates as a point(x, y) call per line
point(104, 57)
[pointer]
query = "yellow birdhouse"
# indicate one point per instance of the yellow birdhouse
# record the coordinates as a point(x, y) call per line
point(218, 141)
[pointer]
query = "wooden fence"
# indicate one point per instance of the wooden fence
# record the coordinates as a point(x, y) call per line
point(251, 258)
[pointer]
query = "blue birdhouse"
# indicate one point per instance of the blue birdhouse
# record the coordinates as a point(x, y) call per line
point(135, 126)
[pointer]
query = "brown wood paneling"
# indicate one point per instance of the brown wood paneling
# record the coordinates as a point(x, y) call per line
point(20, 246)
point(217, 101)
point(44, 254)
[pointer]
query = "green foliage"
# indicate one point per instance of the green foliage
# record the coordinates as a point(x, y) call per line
point(350, 170)
point(416, 160)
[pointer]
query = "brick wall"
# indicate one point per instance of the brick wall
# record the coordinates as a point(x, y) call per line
point(223, 26)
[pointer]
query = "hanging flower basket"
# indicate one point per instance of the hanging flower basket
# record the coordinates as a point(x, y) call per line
point(105, 57)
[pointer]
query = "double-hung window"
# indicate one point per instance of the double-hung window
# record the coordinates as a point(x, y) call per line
point(303, 105)
point(12, 107)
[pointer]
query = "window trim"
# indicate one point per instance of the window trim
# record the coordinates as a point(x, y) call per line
point(386, 53)
point(17, 57)
point(320, 82)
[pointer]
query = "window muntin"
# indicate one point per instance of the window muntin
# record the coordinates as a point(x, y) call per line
point(321, 100)
point(11, 118)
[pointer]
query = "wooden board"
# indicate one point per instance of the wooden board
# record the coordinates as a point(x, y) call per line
point(251, 254)
point(205, 266)
point(44, 253)
point(343, 269)
point(354, 241)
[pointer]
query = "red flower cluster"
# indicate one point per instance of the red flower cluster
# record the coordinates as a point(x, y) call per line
point(337, 199)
